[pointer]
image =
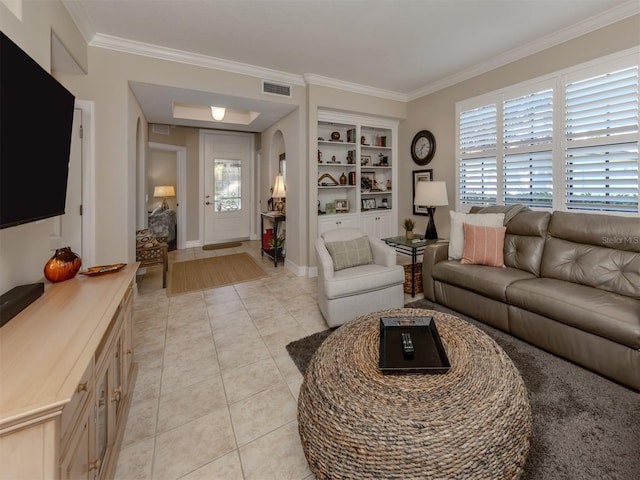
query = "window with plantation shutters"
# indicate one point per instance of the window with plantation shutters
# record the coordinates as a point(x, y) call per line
point(478, 164)
point(601, 129)
point(527, 166)
point(565, 142)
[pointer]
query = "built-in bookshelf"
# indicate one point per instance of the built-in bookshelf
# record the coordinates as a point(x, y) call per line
point(356, 173)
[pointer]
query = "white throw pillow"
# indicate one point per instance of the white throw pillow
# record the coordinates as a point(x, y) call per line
point(456, 242)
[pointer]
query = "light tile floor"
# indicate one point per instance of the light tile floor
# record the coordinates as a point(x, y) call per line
point(216, 391)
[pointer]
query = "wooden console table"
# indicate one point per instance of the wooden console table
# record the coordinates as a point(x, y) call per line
point(67, 373)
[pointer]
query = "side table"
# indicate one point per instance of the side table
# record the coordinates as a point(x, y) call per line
point(413, 248)
point(276, 252)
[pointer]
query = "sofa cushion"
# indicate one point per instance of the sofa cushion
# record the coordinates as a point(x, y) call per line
point(483, 245)
point(619, 233)
point(524, 241)
point(602, 313)
point(350, 253)
point(598, 251)
point(365, 278)
point(456, 241)
point(604, 268)
point(489, 281)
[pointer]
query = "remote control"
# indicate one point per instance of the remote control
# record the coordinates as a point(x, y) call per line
point(407, 345)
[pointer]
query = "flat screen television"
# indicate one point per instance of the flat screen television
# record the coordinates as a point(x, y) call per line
point(36, 119)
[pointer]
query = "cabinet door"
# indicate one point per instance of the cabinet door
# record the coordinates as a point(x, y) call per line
point(377, 224)
point(77, 463)
point(117, 387)
point(128, 338)
point(331, 222)
point(102, 419)
point(386, 228)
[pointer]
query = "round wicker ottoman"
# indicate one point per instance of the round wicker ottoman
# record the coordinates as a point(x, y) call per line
point(474, 422)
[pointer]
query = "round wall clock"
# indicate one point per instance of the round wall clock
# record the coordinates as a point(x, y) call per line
point(423, 147)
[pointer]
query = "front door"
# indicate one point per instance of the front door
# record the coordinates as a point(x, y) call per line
point(227, 186)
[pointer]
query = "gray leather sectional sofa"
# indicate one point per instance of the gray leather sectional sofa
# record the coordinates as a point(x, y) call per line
point(571, 286)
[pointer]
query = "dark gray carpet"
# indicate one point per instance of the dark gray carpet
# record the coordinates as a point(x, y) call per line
point(584, 426)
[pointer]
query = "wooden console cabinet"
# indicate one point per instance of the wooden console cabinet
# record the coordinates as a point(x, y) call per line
point(66, 374)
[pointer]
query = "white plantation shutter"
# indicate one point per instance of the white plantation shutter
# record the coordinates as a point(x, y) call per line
point(567, 142)
point(478, 174)
point(601, 129)
point(528, 142)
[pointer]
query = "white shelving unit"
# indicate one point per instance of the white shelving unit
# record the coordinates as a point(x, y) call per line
point(357, 173)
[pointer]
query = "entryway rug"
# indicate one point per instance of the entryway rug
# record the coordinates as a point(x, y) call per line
point(584, 426)
point(212, 272)
point(219, 246)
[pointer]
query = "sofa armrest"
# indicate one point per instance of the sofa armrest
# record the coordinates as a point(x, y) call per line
point(382, 253)
point(325, 262)
point(434, 253)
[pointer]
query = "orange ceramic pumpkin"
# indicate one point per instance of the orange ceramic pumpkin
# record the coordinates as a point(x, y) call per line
point(62, 266)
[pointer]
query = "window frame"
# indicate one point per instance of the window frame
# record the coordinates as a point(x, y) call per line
point(558, 82)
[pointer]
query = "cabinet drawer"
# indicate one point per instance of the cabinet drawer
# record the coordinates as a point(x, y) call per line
point(71, 411)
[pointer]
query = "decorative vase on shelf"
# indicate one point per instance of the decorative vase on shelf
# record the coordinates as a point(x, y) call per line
point(343, 179)
point(62, 266)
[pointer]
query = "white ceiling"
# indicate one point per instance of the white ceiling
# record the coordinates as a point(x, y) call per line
point(392, 48)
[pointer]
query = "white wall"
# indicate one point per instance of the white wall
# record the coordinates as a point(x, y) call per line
point(25, 249)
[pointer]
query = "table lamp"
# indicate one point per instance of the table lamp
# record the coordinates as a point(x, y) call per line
point(431, 195)
point(279, 192)
point(164, 191)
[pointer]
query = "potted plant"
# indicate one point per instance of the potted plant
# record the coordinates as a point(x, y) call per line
point(408, 225)
point(276, 243)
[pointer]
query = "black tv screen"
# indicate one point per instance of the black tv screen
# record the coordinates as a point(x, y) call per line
point(36, 118)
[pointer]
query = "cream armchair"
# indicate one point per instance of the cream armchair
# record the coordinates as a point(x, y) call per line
point(356, 275)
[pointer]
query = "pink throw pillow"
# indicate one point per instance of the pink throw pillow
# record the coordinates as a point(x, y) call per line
point(483, 245)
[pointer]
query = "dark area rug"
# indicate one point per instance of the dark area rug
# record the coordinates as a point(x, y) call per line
point(584, 426)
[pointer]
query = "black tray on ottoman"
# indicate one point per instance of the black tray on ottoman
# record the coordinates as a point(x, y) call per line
point(424, 350)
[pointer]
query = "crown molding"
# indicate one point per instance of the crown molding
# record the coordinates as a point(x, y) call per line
point(589, 25)
point(313, 79)
point(180, 56)
point(148, 50)
point(86, 28)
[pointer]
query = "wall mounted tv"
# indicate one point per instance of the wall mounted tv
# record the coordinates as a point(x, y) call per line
point(36, 118)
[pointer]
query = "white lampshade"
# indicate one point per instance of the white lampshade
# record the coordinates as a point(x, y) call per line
point(431, 194)
point(164, 191)
point(279, 190)
point(218, 113)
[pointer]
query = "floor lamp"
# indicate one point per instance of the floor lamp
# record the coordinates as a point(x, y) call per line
point(431, 195)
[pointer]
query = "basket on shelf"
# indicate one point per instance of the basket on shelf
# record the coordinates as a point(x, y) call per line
point(417, 276)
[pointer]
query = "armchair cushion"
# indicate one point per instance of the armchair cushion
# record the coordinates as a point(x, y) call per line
point(366, 278)
point(350, 253)
point(146, 239)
